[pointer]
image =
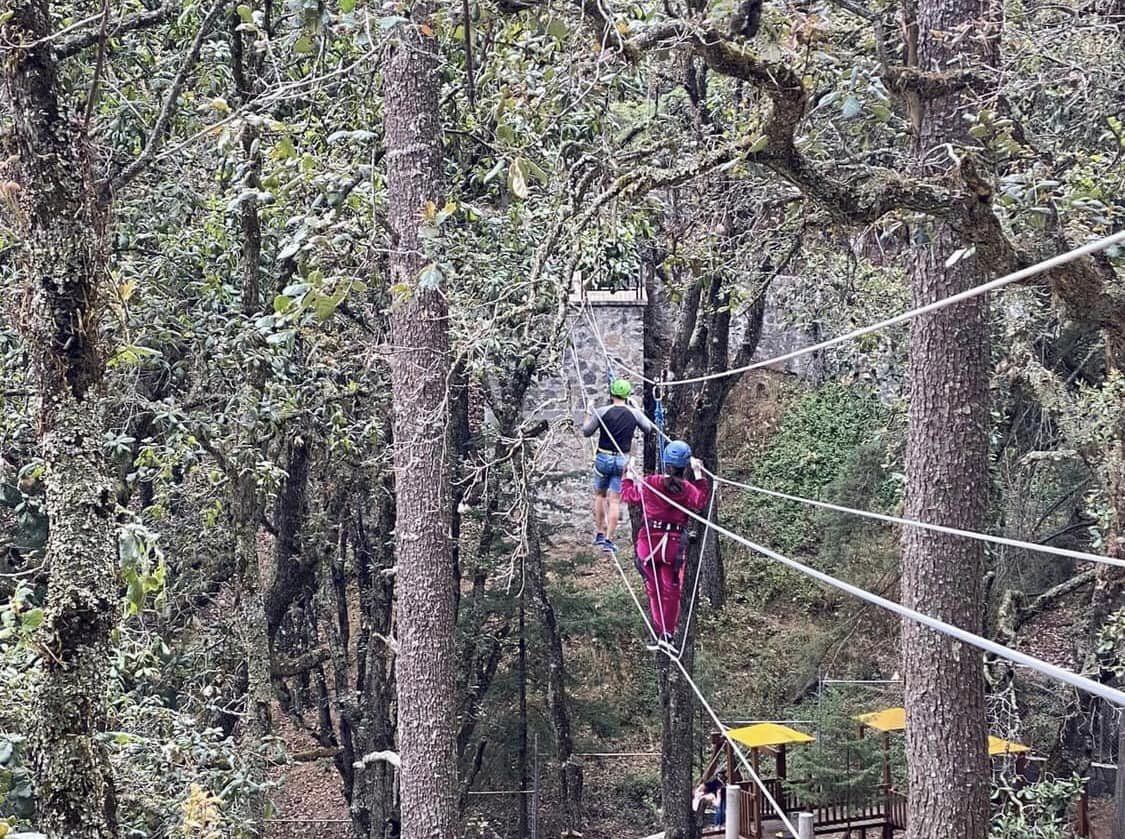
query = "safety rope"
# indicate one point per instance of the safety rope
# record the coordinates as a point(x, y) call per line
point(658, 421)
point(1045, 668)
point(925, 525)
point(699, 566)
point(1014, 277)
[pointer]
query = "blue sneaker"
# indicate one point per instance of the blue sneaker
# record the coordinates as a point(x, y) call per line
point(599, 538)
point(608, 546)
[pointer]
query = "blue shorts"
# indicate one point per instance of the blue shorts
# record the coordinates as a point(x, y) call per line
point(608, 471)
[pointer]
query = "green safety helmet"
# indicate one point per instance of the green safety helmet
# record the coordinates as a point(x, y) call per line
point(621, 388)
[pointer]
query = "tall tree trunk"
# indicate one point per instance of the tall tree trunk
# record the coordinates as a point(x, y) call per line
point(947, 482)
point(419, 372)
point(570, 770)
point(678, 699)
point(62, 263)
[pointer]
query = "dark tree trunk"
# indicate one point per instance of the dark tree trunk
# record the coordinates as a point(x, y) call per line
point(419, 372)
point(701, 344)
point(947, 481)
point(570, 769)
point(61, 262)
point(294, 580)
point(521, 747)
point(677, 742)
point(367, 725)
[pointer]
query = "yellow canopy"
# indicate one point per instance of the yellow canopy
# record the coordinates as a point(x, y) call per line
point(894, 719)
point(997, 746)
point(768, 734)
point(889, 719)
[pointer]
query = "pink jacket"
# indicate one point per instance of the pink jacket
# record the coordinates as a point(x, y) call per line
point(694, 496)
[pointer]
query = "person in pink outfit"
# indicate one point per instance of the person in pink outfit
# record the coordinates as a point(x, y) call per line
point(660, 542)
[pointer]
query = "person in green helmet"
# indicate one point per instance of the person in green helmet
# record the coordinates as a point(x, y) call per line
point(616, 424)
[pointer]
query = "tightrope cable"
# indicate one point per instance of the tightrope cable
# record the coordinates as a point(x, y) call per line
point(924, 525)
point(1014, 277)
point(1047, 669)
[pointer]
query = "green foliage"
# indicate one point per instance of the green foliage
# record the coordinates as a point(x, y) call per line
point(832, 444)
point(841, 765)
point(1035, 811)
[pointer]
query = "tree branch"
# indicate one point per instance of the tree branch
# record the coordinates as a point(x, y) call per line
point(67, 47)
point(164, 119)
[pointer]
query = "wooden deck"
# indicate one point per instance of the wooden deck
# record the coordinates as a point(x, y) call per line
point(880, 814)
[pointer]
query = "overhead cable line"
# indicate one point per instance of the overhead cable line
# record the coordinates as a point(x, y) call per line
point(1060, 674)
point(1014, 277)
point(924, 525)
point(1084, 556)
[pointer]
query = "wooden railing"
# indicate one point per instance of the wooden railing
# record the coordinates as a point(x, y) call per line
point(882, 805)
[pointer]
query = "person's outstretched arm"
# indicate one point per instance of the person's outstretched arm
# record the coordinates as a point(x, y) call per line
point(698, 488)
point(592, 423)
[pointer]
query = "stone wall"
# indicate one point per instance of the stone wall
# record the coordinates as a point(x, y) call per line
point(563, 495)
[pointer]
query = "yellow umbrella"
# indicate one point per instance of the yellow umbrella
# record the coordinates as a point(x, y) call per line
point(889, 719)
point(767, 734)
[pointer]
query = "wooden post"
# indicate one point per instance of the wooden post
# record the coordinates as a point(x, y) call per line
point(733, 798)
point(757, 796)
point(781, 762)
point(1083, 813)
point(888, 818)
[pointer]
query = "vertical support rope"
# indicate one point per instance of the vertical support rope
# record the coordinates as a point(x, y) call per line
point(616, 561)
point(699, 566)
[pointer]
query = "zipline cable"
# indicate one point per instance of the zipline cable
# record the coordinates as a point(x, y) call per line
point(1047, 669)
point(1084, 556)
point(924, 525)
point(1014, 277)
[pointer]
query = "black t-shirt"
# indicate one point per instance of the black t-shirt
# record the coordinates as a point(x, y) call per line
point(616, 425)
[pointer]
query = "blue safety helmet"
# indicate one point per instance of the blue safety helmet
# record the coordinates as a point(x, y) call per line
point(677, 454)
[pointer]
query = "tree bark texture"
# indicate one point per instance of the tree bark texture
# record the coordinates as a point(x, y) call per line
point(61, 262)
point(947, 483)
point(947, 480)
point(677, 739)
point(570, 769)
point(420, 369)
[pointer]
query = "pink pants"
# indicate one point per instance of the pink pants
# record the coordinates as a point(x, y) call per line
point(664, 577)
